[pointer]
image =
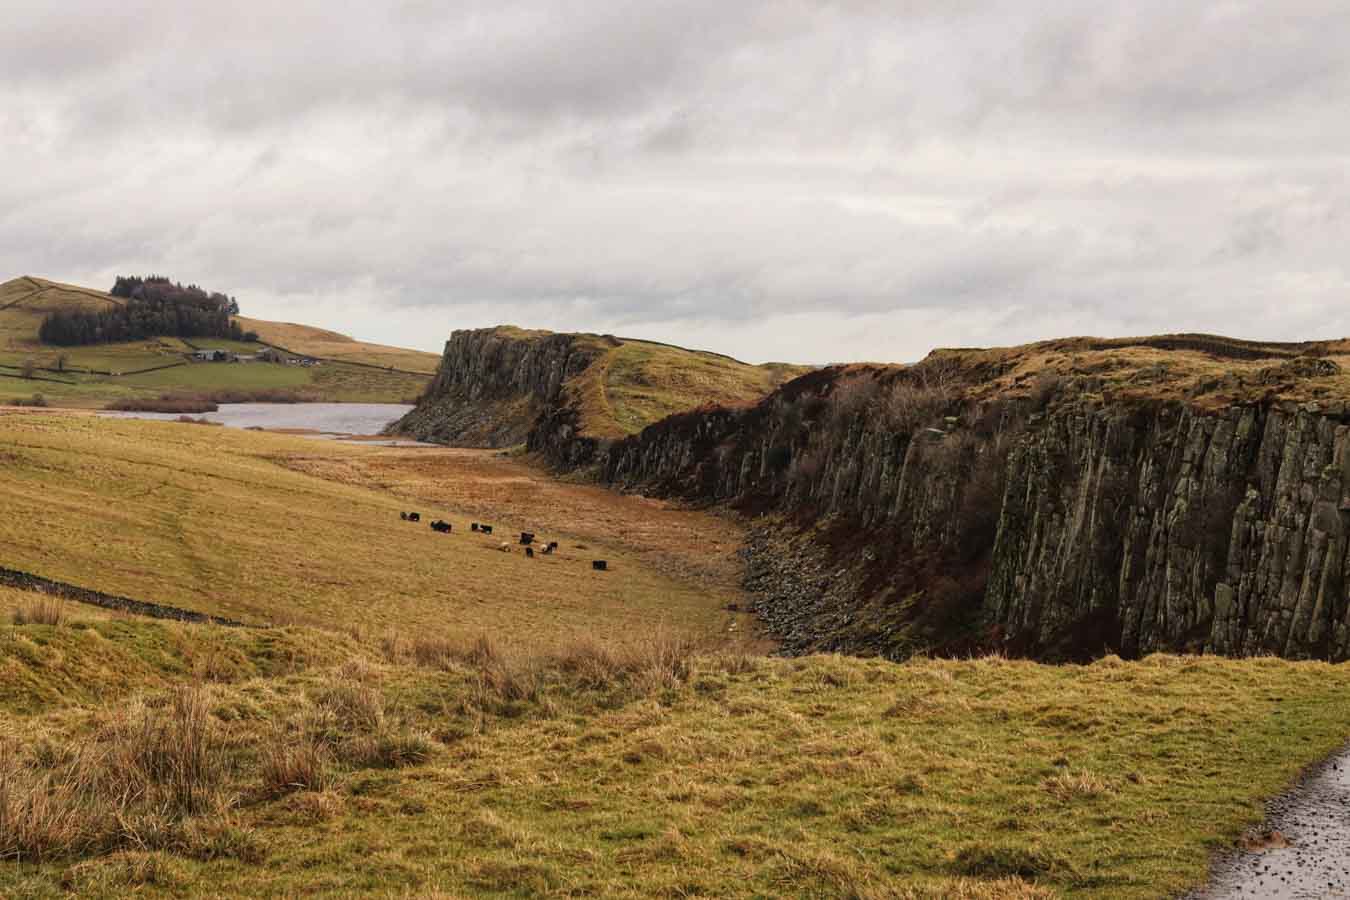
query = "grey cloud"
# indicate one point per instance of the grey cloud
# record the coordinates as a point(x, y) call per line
point(836, 178)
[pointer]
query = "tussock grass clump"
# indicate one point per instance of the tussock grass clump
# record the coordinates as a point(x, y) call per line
point(1068, 786)
point(287, 766)
point(41, 609)
point(45, 815)
point(352, 707)
point(345, 723)
point(317, 806)
point(504, 674)
point(144, 772)
point(172, 755)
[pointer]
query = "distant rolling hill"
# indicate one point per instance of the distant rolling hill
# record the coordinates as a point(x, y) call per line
point(95, 375)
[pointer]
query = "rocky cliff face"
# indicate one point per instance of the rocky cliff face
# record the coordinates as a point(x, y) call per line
point(1083, 529)
point(1153, 498)
point(494, 383)
point(1167, 528)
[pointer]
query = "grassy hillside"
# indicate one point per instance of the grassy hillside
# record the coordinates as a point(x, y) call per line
point(640, 382)
point(428, 768)
point(1209, 371)
point(92, 376)
point(226, 522)
point(323, 344)
point(497, 385)
point(26, 301)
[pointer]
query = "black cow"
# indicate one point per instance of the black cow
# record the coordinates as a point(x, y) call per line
point(443, 527)
point(486, 529)
point(473, 526)
point(548, 551)
point(414, 517)
point(526, 538)
point(529, 551)
point(403, 516)
point(552, 545)
point(599, 565)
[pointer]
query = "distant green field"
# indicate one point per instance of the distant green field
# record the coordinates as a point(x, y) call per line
point(93, 376)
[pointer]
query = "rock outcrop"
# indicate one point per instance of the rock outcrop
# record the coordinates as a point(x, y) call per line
point(494, 383)
point(1063, 500)
point(1171, 529)
point(1084, 529)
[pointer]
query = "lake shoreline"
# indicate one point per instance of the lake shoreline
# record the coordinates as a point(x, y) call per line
point(319, 420)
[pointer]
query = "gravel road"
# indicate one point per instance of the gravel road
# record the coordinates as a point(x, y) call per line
point(1310, 855)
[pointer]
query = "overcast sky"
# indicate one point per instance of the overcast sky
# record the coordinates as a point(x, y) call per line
point(812, 181)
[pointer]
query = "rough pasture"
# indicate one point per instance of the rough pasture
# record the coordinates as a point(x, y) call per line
point(220, 521)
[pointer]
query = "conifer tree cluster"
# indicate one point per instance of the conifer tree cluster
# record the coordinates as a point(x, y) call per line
point(154, 307)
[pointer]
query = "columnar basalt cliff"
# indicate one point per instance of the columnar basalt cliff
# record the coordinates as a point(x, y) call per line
point(568, 396)
point(1169, 528)
point(493, 383)
point(1064, 519)
point(1062, 500)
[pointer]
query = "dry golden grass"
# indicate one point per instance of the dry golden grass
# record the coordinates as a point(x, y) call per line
point(142, 776)
point(25, 302)
point(332, 345)
point(1208, 371)
point(287, 765)
point(636, 383)
point(228, 522)
point(690, 546)
point(40, 609)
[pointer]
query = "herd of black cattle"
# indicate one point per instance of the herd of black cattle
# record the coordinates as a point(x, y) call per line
point(526, 538)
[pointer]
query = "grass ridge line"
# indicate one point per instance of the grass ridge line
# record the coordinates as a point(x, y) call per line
point(28, 581)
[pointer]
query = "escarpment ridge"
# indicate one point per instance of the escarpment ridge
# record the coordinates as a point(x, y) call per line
point(1061, 500)
point(495, 386)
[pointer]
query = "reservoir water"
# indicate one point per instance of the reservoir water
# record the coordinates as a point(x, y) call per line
point(329, 419)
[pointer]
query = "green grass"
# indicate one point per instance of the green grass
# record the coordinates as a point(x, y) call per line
point(329, 381)
point(660, 771)
point(100, 656)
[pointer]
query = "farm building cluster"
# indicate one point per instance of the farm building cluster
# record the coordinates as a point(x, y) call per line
point(266, 355)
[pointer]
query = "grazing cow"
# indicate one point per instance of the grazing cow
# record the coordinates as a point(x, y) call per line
point(552, 545)
point(414, 517)
point(548, 551)
point(486, 529)
point(473, 526)
point(529, 551)
point(526, 538)
point(403, 516)
point(441, 526)
point(599, 565)
point(504, 546)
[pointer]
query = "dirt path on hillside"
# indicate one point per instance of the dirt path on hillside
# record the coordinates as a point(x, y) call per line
point(1305, 849)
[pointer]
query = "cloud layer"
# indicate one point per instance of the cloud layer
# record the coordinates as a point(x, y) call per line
point(805, 180)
